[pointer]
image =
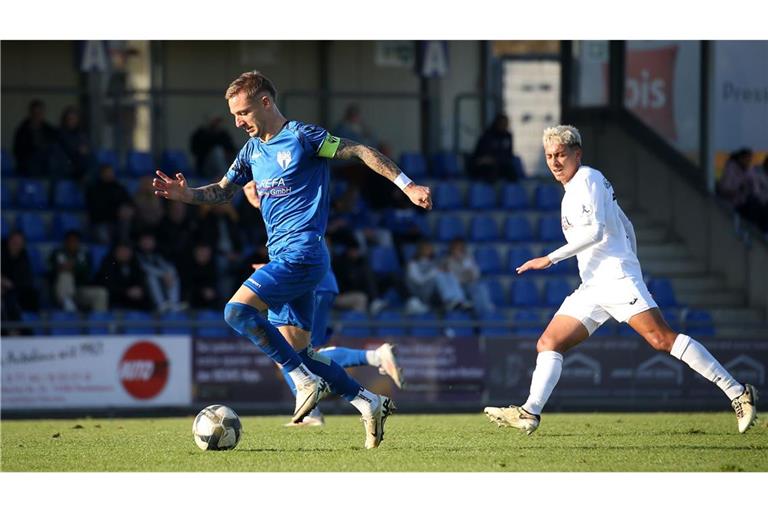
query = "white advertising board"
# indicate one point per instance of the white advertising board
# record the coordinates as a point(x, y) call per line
point(60, 372)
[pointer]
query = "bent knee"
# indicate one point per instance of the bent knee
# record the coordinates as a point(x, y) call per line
point(661, 341)
point(549, 343)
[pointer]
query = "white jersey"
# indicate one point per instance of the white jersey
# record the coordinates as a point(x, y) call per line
point(589, 201)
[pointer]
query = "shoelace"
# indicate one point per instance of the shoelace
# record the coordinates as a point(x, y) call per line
point(737, 407)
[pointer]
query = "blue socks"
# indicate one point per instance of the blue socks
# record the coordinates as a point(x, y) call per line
point(338, 379)
point(345, 357)
point(247, 321)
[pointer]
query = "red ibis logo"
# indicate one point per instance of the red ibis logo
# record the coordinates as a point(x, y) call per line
point(143, 370)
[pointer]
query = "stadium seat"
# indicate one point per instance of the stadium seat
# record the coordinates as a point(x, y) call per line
point(138, 322)
point(384, 260)
point(7, 194)
point(68, 195)
point(5, 225)
point(37, 263)
point(524, 292)
point(492, 324)
point(449, 227)
point(517, 229)
point(108, 157)
point(514, 197)
point(6, 163)
point(98, 252)
point(488, 260)
point(550, 229)
point(404, 222)
point(496, 291)
point(175, 322)
point(413, 164)
point(516, 256)
point(424, 324)
point(483, 228)
point(445, 164)
point(447, 197)
point(482, 196)
point(97, 322)
point(63, 222)
point(139, 163)
point(527, 323)
point(394, 320)
point(64, 330)
point(212, 325)
point(566, 266)
point(33, 318)
point(457, 323)
point(132, 185)
point(698, 322)
point(556, 290)
point(548, 196)
point(31, 193)
point(175, 160)
point(662, 291)
point(33, 226)
point(348, 327)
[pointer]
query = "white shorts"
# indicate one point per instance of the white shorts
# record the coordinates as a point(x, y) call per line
point(594, 304)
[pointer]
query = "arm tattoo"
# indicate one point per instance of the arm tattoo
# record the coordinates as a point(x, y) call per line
point(215, 193)
point(372, 158)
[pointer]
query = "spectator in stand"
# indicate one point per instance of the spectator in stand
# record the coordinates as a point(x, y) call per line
point(759, 181)
point(161, 276)
point(200, 277)
point(174, 234)
point(738, 186)
point(34, 142)
point(149, 207)
point(431, 284)
point(494, 158)
point(18, 285)
point(213, 148)
point(352, 127)
point(74, 144)
point(103, 199)
point(463, 266)
point(217, 225)
point(71, 277)
point(127, 227)
point(123, 277)
point(354, 276)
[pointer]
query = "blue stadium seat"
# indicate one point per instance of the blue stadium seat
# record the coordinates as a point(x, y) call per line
point(424, 330)
point(556, 290)
point(548, 196)
point(514, 197)
point(449, 227)
point(516, 256)
point(608, 329)
point(31, 193)
point(132, 185)
point(524, 292)
point(175, 160)
point(482, 196)
point(413, 164)
point(68, 195)
point(138, 322)
point(567, 266)
point(32, 224)
point(32, 317)
point(97, 323)
point(6, 225)
point(383, 260)
point(396, 328)
point(108, 157)
point(64, 330)
point(6, 163)
point(355, 331)
point(517, 229)
point(457, 323)
point(216, 328)
point(488, 260)
point(550, 229)
point(492, 324)
point(445, 164)
point(483, 228)
point(527, 323)
point(139, 164)
point(697, 322)
point(662, 291)
point(36, 263)
point(175, 322)
point(63, 222)
point(447, 197)
point(7, 194)
point(98, 252)
point(496, 291)
point(402, 222)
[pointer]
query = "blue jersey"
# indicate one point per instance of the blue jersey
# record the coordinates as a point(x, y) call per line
point(291, 175)
point(328, 284)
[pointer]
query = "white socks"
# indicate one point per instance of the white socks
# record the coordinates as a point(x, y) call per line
point(549, 364)
point(693, 353)
point(365, 402)
point(372, 357)
point(301, 376)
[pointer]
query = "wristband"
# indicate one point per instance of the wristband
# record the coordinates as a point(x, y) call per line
point(402, 181)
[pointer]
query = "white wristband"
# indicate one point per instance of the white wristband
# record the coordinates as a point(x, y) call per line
point(402, 180)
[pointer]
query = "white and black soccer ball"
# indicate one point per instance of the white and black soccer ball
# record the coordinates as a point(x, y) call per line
point(217, 427)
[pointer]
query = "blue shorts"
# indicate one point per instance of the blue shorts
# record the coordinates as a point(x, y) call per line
point(288, 290)
point(320, 330)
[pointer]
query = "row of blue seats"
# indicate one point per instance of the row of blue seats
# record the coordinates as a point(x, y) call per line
point(510, 196)
point(36, 229)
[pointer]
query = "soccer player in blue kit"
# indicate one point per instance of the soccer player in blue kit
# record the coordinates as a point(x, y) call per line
point(288, 160)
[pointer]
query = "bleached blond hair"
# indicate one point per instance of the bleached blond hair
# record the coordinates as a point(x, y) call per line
point(564, 134)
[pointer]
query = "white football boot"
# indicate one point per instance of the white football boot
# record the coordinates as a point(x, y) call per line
point(374, 424)
point(513, 416)
point(313, 419)
point(307, 397)
point(745, 406)
point(389, 366)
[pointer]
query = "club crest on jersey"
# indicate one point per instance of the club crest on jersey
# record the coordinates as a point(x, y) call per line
point(565, 223)
point(284, 159)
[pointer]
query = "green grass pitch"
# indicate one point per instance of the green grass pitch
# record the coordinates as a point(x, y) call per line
point(456, 443)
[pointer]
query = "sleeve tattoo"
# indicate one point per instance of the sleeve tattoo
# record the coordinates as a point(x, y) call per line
point(379, 163)
point(215, 193)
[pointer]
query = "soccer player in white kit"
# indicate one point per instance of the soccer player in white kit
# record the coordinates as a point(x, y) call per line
point(603, 240)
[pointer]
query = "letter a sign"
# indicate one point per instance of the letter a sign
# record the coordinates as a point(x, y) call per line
point(432, 58)
point(93, 56)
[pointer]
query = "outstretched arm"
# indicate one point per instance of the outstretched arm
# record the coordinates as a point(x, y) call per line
point(348, 149)
point(587, 237)
point(175, 189)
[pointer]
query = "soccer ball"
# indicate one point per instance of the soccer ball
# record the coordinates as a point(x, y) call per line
point(217, 427)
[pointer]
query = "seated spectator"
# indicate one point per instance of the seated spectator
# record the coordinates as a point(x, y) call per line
point(162, 277)
point(356, 280)
point(175, 232)
point(493, 158)
point(71, 277)
point(103, 199)
point(149, 207)
point(462, 265)
point(19, 292)
point(217, 226)
point(199, 277)
point(74, 144)
point(737, 185)
point(213, 148)
point(123, 277)
point(432, 284)
point(34, 142)
point(352, 127)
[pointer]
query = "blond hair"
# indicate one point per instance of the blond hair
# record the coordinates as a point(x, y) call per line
point(564, 134)
point(251, 83)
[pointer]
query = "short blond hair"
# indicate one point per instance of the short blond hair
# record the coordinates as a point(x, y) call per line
point(564, 134)
point(252, 83)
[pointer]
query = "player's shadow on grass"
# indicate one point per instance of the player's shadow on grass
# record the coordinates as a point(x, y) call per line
point(285, 450)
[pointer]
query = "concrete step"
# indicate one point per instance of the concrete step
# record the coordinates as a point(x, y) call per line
point(735, 332)
point(671, 250)
point(672, 267)
point(651, 234)
point(744, 316)
point(711, 299)
point(698, 283)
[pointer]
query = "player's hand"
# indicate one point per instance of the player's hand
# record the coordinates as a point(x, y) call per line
point(420, 196)
point(535, 264)
point(170, 188)
point(252, 195)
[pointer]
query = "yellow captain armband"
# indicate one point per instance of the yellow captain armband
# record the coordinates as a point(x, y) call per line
point(328, 147)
